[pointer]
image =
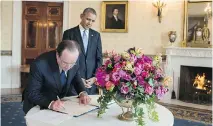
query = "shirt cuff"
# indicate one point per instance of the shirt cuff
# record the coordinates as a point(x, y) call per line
point(50, 104)
point(82, 93)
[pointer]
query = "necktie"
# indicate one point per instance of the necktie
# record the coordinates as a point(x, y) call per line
point(63, 78)
point(85, 40)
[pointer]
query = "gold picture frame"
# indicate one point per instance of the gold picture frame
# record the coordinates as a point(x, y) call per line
point(190, 20)
point(110, 23)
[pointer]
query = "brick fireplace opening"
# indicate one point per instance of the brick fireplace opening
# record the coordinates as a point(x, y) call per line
point(196, 84)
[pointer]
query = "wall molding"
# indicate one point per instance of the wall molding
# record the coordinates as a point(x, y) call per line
point(6, 52)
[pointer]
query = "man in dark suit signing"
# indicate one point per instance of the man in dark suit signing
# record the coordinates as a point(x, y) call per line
point(52, 75)
point(90, 43)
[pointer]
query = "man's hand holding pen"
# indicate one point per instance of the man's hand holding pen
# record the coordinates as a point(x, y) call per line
point(57, 105)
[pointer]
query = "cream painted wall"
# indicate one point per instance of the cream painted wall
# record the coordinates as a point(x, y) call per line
point(144, 30)
point(6, 25)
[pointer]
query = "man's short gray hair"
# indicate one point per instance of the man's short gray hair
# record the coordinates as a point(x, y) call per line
point(89, 9)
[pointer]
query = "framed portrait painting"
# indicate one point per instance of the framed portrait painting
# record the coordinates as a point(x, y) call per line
point(114, 16)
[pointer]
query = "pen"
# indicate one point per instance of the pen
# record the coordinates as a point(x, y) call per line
point(60, 100)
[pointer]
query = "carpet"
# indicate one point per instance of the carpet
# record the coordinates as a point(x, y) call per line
point(189, 113)
point(13, 115)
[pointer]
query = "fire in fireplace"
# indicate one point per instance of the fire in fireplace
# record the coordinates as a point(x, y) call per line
point(200, 82)
point(195, 84)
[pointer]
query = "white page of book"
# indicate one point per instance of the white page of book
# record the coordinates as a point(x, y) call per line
point(76, 109)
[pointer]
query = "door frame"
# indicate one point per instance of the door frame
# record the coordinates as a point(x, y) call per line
point(17, 35)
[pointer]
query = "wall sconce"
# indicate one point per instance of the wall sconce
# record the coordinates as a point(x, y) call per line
point(159, 4)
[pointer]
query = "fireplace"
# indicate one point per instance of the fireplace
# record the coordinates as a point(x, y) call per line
point(195, 84)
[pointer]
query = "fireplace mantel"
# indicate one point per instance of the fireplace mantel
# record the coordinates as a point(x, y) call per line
point(179, 56)
point(190, 52)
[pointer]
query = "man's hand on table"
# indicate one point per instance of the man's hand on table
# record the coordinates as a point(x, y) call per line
point(84, 98)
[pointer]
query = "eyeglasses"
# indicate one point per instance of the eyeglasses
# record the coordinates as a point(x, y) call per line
point(68, 64)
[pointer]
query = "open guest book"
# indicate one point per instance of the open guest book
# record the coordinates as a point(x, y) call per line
point(73, 108)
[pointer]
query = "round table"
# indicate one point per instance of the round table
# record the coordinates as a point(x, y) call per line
point(109, 118)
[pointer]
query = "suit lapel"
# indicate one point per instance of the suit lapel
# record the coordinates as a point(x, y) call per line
point(56, 75)
point(79, 39)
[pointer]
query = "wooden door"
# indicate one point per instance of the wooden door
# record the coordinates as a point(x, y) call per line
point(41, 28)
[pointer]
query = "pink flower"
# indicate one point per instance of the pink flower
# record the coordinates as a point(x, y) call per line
point(115, 77)
point(148, 89)
point(137, 71)
point(124, 89)
point(127, 77)
point(145, 74)
point(117, 58)
point(141, 80)
point(117, 66)
point(133, 58)
point(147, 66)
point(109, 85)
point(107, 77)
point(107, 62)
point(138, 65)
point(101, 76)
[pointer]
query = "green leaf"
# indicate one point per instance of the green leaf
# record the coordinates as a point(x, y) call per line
point(151, 82)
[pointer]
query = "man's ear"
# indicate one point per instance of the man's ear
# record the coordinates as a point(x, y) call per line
point(57, 55)
point(81, 16)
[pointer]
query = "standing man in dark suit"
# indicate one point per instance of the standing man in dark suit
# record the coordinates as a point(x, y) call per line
point(90, 43)
point(52, 75)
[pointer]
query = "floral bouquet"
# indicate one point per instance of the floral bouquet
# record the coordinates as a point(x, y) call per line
point(132, 76)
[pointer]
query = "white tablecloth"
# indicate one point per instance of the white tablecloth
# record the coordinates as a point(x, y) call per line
point(109, 118)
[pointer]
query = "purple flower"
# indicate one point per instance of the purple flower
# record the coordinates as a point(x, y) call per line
point(147, 59)
point(122, 73)
point(141, 80)
point(160, 91)
point(127, 77)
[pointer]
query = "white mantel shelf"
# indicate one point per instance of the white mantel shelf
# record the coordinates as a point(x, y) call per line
point(187, 51)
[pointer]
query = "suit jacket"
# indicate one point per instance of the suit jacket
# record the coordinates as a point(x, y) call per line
point(44, 83)
point(90, 60)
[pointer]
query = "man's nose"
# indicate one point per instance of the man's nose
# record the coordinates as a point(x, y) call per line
point(90, 22)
